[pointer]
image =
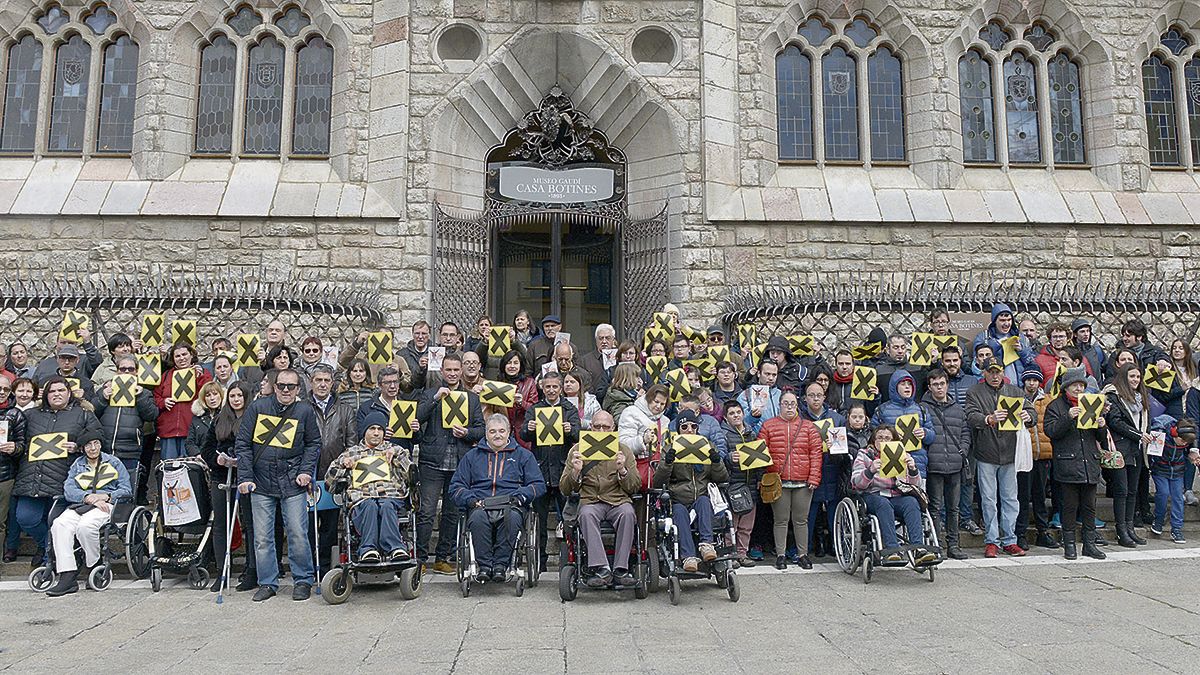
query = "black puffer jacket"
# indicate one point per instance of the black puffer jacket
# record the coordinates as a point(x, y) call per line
point(45, 478)
point(123, 426)
point(273, 470)
point(951, 443)
point(437, 442)
point(736, 475)
point(1127, 431)
point(1076, 451)
point(16, 435)
point(552, 458)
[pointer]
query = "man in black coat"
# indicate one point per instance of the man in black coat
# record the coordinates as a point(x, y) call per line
point(551, 456)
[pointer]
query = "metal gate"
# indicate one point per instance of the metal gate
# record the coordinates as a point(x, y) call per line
point(645, 264)
point(461, 264)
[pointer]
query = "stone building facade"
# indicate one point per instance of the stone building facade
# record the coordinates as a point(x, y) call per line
point(689, 92)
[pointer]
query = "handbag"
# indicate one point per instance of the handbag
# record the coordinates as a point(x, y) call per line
point(741, 498)
point(1024, 457)
point(717, 498)
point(770, 487)
point(1110, 456)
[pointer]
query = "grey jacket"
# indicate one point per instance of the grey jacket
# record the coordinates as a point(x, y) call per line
point(952, 440)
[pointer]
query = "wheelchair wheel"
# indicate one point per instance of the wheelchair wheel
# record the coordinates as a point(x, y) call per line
point(674, 589)
point(100, 578)
point(465, 587)
point(568, 583)
point(722, 573)
point(641, 590)
point(198, 578)
point(41, 579)
point(653, 580)
point(847, 536)
point(137, 538)
point(463, 564)
point(533, 549)
point(868, 568)
point(337, 585)
point(732, 588)
point(410, 582)
point(156, 579)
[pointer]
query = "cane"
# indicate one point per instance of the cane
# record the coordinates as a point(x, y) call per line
point(228, 534)
point(313, 497)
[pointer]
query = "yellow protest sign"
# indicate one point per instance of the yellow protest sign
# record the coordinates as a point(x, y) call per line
point(677, 384)
point(247, 350)
point(758, 354)
point(691, 449)
point(74, 384)
point(598, 446)
point(664, 321)
point(865, 379)
point(867, 351)
point(183, 384)
point(892, 458)
point(720, 354)
point(920, 352)
point(370, 469)
point(499, 394)
point(277, 432)
point(747, 335)
point(379, 347)
point(1092, 406)
point(124, 391)
point(149, 367)
point(652, 334)
point(456, 410)
point(693, 335)
point(183, 331)
point(154, 329)
point(1159, 378)
point(1013, 406)
point(400, 417)
point(706, 366)
point(1056, 386)
point(655, 365)
point(48, 446)
point(499, 341)
point(802, 345)
point(944, 342)
point(96, 478)
point(548, 425)
point(753, 455)
point(72, 323)
point(906, 431)
point(1011, 346)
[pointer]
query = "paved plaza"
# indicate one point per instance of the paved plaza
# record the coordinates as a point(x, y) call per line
point(1137, 612)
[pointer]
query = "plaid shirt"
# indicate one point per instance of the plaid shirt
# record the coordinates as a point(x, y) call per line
point(395, 488)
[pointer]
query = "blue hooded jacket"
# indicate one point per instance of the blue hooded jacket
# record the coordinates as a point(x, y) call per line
point(1027, 356)
point(483, 472)
point(888, 411)
point(710, 428)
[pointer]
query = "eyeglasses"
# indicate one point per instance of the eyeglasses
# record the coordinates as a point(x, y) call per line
point(689, 425)
point(315, 350)
point(287, 386)
point(127, 370)
point(5, 388)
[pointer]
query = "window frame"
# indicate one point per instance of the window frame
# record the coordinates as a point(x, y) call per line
point(1176, 64)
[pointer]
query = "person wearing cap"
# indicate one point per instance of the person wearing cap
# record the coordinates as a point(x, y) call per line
point(791, 373)
point(96, 482)
point(715, 335)
point(688, 486)
point(1001, 328)
point(67, 359)
point(541, 348)
point(599, 363)
point(1076, 463)
point(89, 357)
point(375, 498)
point(995, 453)
point(1081, 335)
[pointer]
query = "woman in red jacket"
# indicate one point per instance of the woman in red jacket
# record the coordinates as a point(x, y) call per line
point(795, 446)
point(175, 417)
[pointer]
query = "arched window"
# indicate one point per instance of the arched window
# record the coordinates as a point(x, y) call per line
point(1172, 64)
point(277, 56)
point(1034, 131)
point(71, 39)
point(846, 56)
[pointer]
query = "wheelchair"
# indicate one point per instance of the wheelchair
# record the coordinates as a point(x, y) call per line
point(179, 543)
point(665, 562)
point(523, 566)
point(857, 541)
point(339, 581)
point(573, 561)
point(124, 538)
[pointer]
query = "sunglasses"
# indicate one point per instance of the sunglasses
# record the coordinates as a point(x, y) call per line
point(286, 387)
point(689, 425)
point(312, 351)
point(127, 370)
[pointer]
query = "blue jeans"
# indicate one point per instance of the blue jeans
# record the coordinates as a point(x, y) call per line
point(12, 533)
point(31, 514)
point(172, 448)
point(377, 522)
point(885, 510)
point(1165, 487)
point(683, 522)
point(998, 490)
point(295, 520)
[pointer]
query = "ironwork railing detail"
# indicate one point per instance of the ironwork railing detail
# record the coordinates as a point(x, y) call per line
point(645, 259)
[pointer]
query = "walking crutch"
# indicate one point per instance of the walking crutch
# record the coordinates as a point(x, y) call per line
point(228, 533)
point(314, 494)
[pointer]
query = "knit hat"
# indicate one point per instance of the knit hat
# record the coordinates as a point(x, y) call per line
point(87, 436)
point(1080, 323)
point(1032, 374)
point(687, 416)
point(1072, 376)
point(374, 418)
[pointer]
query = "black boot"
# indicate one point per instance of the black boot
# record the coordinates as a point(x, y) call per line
point(1123, 538)
point(1068, 544)
point(1046, 540)
point(1133, 534)
point(1090, 549)
point(67, 583)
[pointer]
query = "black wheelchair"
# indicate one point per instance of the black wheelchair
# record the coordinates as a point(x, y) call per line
point(857, 541)
point(339, 581)
point(665, 561)
point(573, 560)
point(124, 538)
point(523, 567)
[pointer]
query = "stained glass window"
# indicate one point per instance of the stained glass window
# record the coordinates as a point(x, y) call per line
point(861, 32)
point(21, 96)
point(886, 91)
point(68, 107)
point(1066, 113)
point(214, 109)
point(118, 91)
point(1161, 125)
point(793, 81)
point(314, 97)
point(1038, 36)
point(1176, 40)
point(994, 35)
point(264, 99)
point(244, 21)
point(840, 75)
point(292, 22)
point(1020, 105)
point(100, 20)
point(1191, 88)
point(975, 106)
point(815, 31)
point(53, 19)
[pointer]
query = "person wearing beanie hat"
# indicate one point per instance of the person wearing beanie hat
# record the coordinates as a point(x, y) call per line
point(1081, 335)
point(373, 476)
point(96, 482)
point(1076, 457)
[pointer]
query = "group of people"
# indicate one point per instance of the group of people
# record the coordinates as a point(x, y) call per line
point(999, 433)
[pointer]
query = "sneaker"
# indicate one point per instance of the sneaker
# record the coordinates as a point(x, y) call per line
point(443, 567)
point(991, 551)
point(691, 564)
point(957, 553)
point(894, 559)
point(973, 528)
point(1055, 523)
point(708, 552)
point(1100, 524)
point(371, 557)
point(924, 556)
point(246, 584)
point(793, 554)
point(755, 553)
point(263, 593)
point(805, 563)
point(1177, 538)
point(398, 555)
point(301, 591)
point(746, 562)
point(1014, 550)
point(781, 562)
point(499, 574)
point(623, 578)
point(67, 584)
point(1189, 498)
point(1156, 529)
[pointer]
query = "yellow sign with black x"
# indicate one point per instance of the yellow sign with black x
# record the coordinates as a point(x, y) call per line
point(183, 384)
point(747, 335)
point(183, 331)
point(944, 342)
point(706, 366)
point(154, 329)
point(277, 432)
point(677, 384)
point(379, 347)
point(652, 334)
point(1013, 406)
point(906, 431)
point(499, 394)
point(824, 426)
point(598, 446)
point(802, 345)
point(1011, 347)
point(1091, 408)
point(400, 417)
point(548, 425)
point(693, 335)
point(920, 349)
point(1159, 378)
point(892, 460)
point(74, 384)
point(691, 449)
point(48, 446)
point(96, 478)
point(456, 410)
point(720, 354)
point(124, 391)
point(655, 365)
point(864, 382)
point(247, 350)
point(664, 321)
point(149, 368)
point(72, 323)
point(370, 469)
point(753, 455)
point(499, 341)
point(867, 351)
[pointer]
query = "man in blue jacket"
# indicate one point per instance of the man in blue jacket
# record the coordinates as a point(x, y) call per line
point(1003, 327)
point(277, 447)
point(497, 467)
point(903, 401)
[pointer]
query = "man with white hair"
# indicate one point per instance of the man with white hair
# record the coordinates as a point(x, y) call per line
point(599, 363)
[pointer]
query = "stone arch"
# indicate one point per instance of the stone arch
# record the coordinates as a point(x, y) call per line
point(1186, 13)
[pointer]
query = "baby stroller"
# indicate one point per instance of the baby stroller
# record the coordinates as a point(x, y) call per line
point(183, 522)
point(340, 580)
point(857, 542)
point(665, 560)
point(573, 560)
point(522, 567)
point(122, 538)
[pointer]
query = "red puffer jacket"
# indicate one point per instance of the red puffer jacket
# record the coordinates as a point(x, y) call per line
point(795, 449)
point(174, 423)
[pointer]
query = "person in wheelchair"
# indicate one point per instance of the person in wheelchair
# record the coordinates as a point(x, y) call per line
point(494, 483)
point(96, 482)
point(688, 487)
point(886, 499)
point(374, 475)
point(606, 490)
